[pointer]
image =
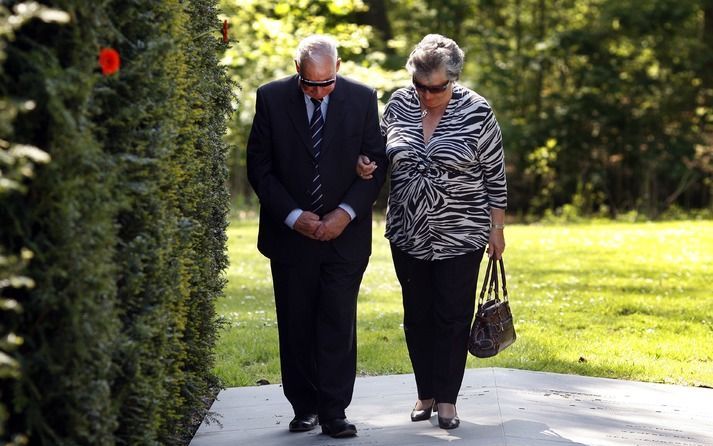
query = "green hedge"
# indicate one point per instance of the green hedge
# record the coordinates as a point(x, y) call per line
point(126, 223)
point(17, 165)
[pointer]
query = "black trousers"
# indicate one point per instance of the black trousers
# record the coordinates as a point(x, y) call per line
point(439, 302)
point(315, 301)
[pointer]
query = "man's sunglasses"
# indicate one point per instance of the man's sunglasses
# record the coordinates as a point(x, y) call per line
point(309, 83)
point(431, 89)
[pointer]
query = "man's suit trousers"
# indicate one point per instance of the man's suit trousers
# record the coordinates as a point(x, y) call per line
point(316, 314)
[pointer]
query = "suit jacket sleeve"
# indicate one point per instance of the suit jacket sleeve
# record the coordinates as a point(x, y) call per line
point(270, 191)
point(363, 193)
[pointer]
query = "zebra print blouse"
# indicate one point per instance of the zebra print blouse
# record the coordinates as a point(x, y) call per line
point(442, 192)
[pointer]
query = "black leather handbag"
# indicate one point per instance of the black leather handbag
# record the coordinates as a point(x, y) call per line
point(493, 328)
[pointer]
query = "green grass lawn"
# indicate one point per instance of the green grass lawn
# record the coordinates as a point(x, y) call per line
point(619, 300)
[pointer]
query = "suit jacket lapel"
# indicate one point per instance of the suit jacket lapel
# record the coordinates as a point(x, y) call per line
point(335, 114)
point(298, 115)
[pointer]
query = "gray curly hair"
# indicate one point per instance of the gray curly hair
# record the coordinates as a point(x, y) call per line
point(434, 52)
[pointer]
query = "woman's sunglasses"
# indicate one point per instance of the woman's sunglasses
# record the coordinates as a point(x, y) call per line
point(309, 83)
point(431, 89)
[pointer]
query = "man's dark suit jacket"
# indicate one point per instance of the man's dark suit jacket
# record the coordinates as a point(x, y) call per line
point(281, 170)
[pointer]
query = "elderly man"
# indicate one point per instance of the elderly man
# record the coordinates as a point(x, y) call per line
point(315, 224)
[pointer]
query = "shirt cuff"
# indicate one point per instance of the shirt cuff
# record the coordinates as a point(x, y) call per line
point(292, 218)
point(348, 209)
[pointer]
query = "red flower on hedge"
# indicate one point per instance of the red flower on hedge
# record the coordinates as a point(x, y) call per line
point(109, 61)
point(225, 31)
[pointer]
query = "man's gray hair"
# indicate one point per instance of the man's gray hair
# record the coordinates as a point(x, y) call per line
point(316, 48)
point(434, 52)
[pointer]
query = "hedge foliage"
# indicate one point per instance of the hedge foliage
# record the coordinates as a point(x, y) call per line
point(126, 223)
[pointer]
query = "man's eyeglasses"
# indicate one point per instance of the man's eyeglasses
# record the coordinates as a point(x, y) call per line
point(431, 89)
point(309, 83)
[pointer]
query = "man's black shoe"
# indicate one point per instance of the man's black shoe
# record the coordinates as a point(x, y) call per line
point(304, 423)
point(339, 428)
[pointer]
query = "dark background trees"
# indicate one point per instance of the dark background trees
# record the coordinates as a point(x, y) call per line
point(605, 105)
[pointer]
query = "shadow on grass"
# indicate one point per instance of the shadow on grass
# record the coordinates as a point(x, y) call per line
point(528, 354)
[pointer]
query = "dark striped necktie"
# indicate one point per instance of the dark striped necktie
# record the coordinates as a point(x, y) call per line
point(316, 128)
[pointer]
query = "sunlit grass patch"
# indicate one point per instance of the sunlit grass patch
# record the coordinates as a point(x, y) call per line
point(619, 300)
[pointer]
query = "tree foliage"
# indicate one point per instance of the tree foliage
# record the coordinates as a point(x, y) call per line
point(605, 105)
point(606, 102)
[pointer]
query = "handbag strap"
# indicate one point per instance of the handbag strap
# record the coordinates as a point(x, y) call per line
point(494, 281)
point(486, 282)
point(490, 282)
point(502, 274)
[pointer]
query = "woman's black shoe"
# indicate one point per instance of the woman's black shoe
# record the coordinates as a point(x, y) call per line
point(448, 423)
point(423, 414)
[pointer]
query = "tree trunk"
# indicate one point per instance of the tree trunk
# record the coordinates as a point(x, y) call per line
point(541, 29)
point(519, 58)
point(707, 70)
point(707, 38)
point(376, 16)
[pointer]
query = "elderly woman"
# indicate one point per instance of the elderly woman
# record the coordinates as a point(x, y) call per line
point(447, 202)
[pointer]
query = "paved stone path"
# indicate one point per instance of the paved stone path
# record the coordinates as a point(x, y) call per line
point(497, 407)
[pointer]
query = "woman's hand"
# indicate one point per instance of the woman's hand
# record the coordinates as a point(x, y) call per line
point(496, 243)
point(365, 168)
